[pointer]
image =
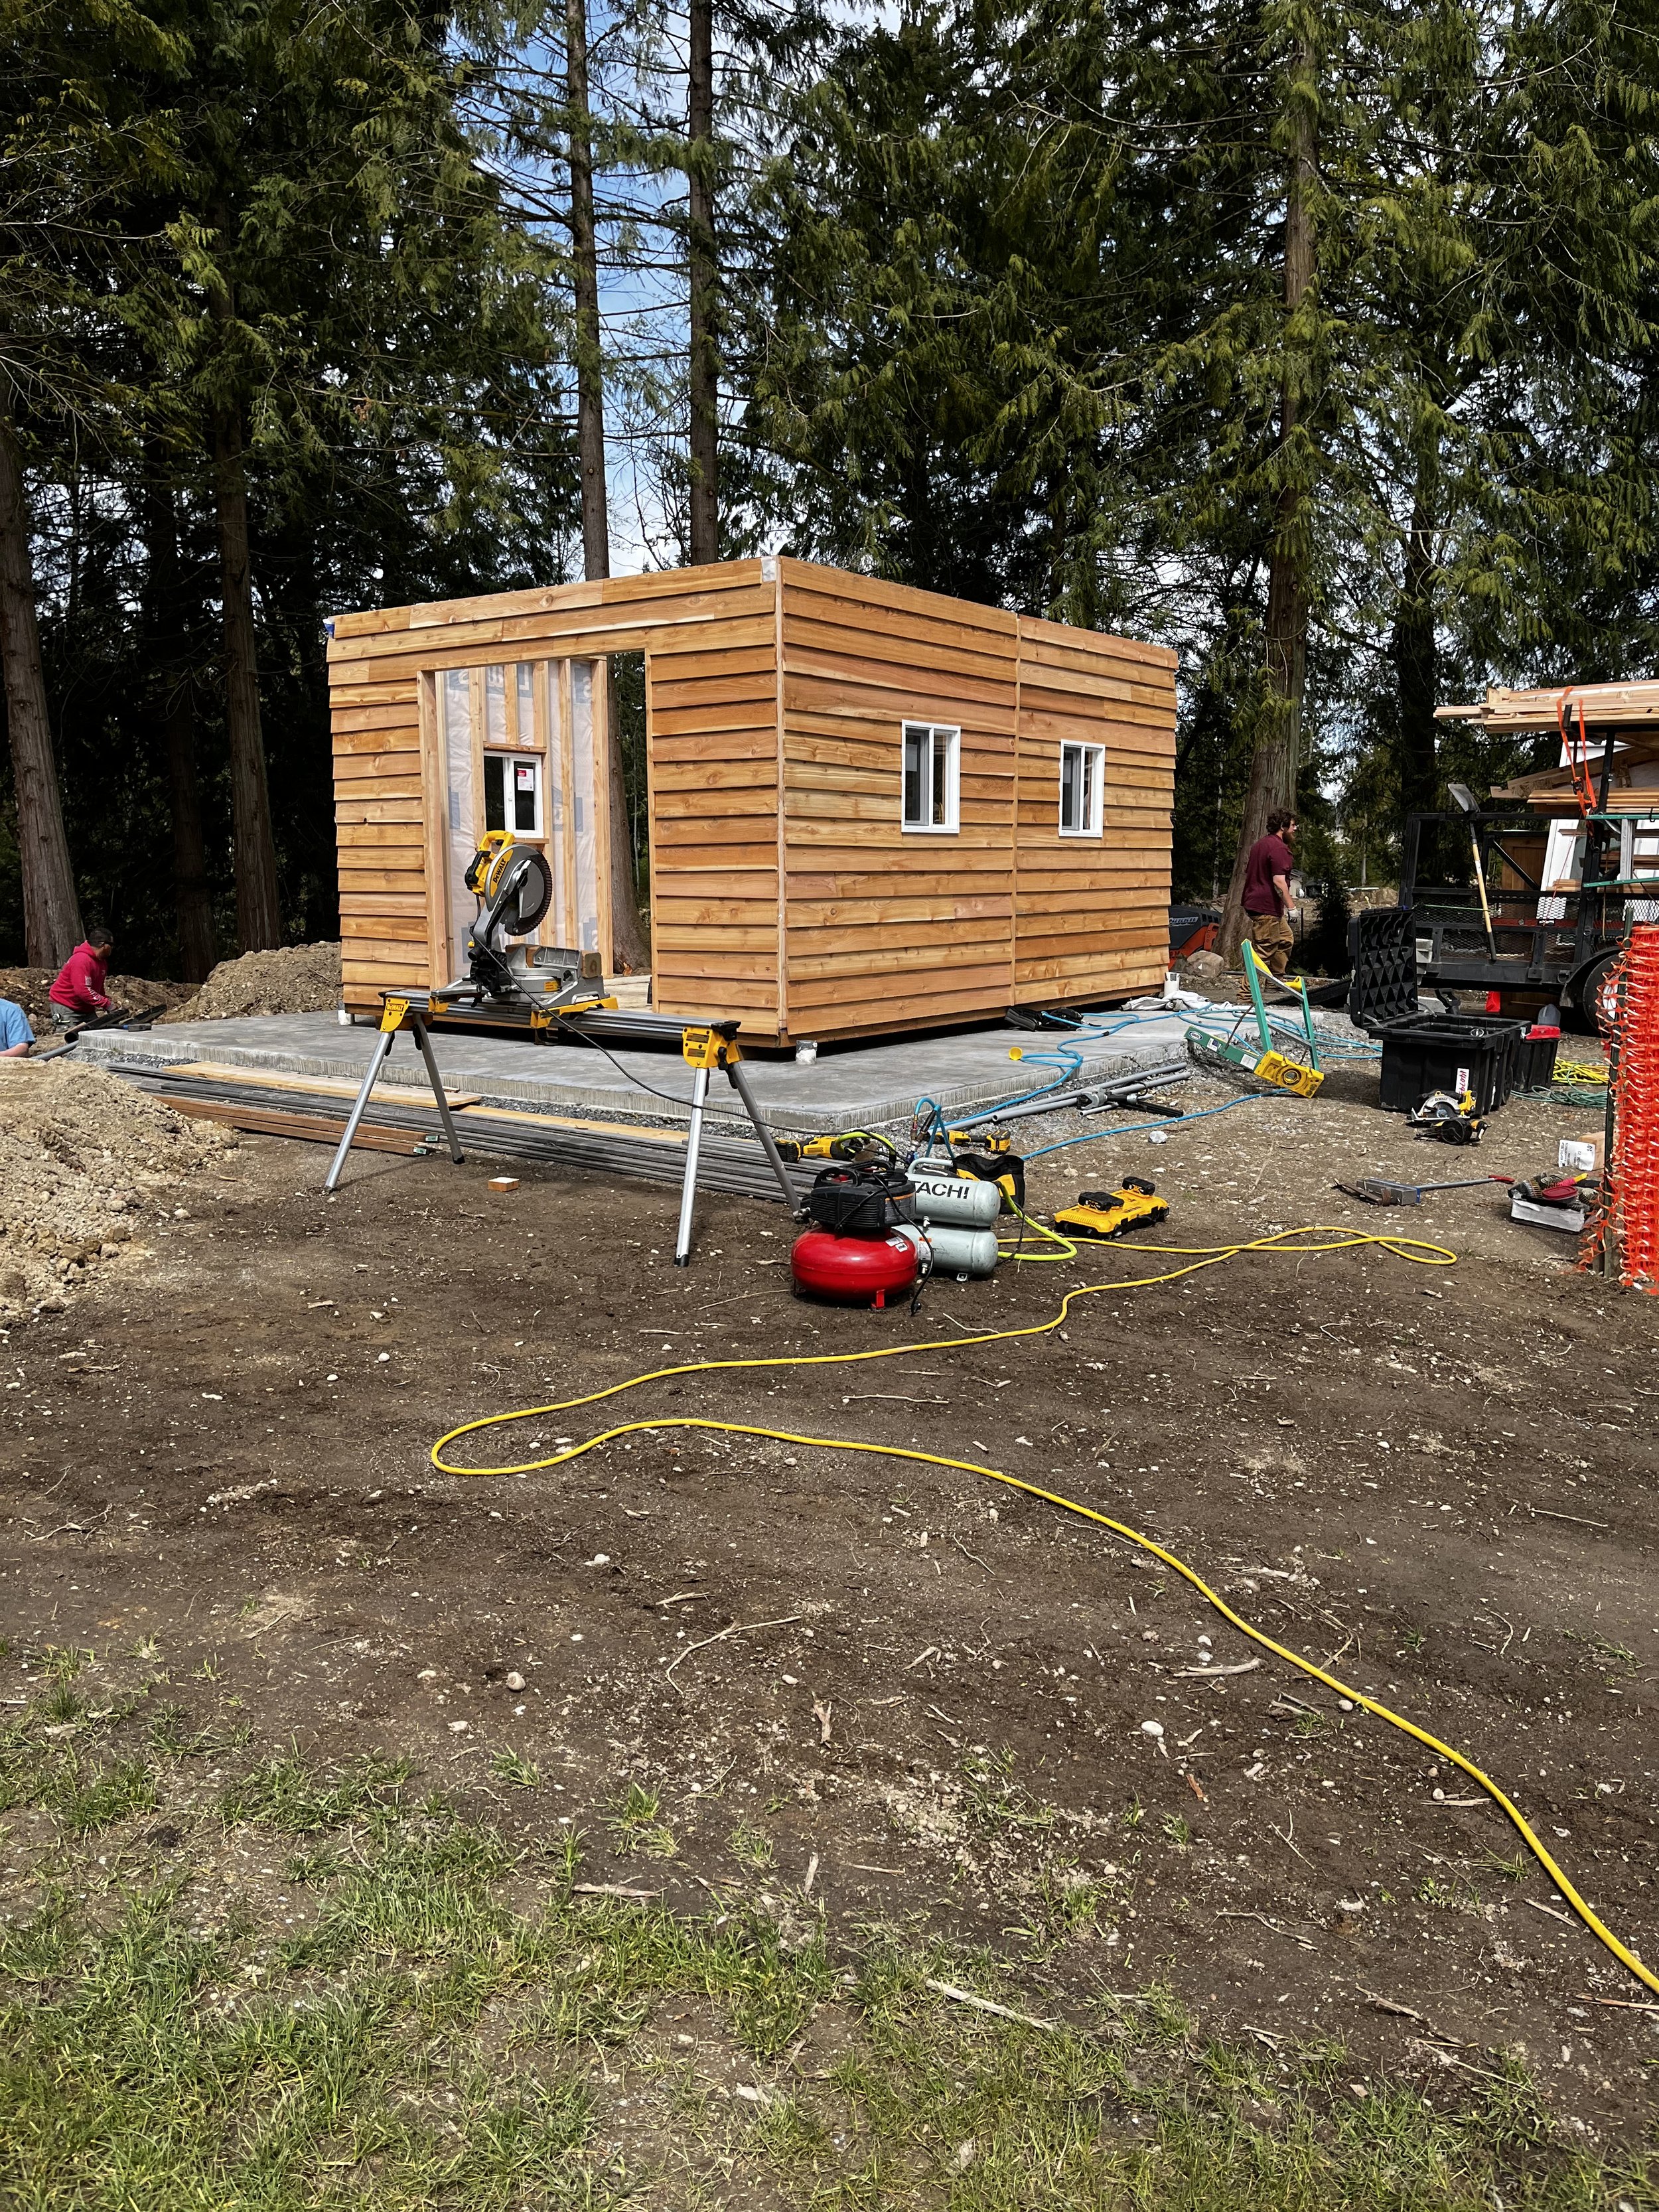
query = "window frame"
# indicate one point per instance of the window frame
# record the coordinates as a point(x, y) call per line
point(513, 757)
point(1095, 825)
point(951, 734)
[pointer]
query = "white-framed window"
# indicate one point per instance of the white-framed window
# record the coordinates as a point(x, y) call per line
point(932, 776)
point(512, 794)
point(1082, 781)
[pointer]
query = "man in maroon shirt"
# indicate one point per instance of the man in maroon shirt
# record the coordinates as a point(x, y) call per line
point(79, 995)
point(1267, 901)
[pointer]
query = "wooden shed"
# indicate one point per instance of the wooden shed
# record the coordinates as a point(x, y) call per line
point(871, 808)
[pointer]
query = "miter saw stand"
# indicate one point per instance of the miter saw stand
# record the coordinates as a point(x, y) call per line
point(534, 989)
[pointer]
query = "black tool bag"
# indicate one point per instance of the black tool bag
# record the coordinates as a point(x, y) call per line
point(866, 1199)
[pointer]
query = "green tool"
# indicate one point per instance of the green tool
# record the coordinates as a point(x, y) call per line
point(1269, 1066)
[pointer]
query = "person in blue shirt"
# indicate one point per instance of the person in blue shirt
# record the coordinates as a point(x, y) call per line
point(15, 1035)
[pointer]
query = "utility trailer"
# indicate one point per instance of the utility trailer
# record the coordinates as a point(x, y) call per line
point(1564, 859)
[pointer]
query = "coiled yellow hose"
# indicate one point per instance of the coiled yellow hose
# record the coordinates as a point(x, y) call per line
point(1412, 1248)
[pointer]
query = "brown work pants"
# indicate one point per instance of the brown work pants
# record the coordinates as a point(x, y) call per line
point(1272, 938)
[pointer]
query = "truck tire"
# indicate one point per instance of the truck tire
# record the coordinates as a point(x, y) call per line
point(1587, 987)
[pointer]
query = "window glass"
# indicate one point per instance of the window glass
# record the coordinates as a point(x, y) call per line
point(930, 777)
point(1082, 774)
point(494, 770)
point(526, 775)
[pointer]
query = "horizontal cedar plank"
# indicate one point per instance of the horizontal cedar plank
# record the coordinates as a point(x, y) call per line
point(585, 599)
point(354, 881)
point(874, 636)
point(363, 790)
point(732, 848)
point(488, 644)
point(714, 779)
point(966, 1000)
point(503, 620)
point(362, 931)
point(727, 802)
point(735, 745)
point(885, 836)
point(735, 714)
point(356, 810)
point(381, 967)
point(387, 688)
point(898, 664)
point(704, 914)
point(667, 939)
point(855, 875)
point(1077, 677)
point(386, 715)
point(903, 967)
point(1039, 632)
point(983, 934)
point(363, 903)
point(402, 736)
point(353, 770)
point(689, 682)
point(807, 582)
point(805, 914)
point(936, 687)
point(1124, 976)
point(384, 837)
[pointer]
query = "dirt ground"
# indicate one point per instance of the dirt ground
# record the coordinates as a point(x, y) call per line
point(927, 1696)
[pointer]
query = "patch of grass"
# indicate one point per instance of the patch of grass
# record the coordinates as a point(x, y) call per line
point(522, 1773)
point(423, 2046)
point(86, 1798)
point(1612, 1658)
point(637, 1824)
point(62, 1662)
point(286, 1794)
point(992, 1799)
point(1178, 1830)
point(751, 1847)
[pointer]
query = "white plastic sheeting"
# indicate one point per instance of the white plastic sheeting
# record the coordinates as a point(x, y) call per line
point(581, 799)
point(455, 704)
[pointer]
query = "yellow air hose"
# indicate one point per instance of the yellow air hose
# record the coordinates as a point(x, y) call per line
point(1412, 1248)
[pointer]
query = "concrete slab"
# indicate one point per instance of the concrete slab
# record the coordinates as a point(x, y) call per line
point(846, 1087)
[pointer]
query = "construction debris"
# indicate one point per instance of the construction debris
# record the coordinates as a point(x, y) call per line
point(291, 979)
point(83, 1156)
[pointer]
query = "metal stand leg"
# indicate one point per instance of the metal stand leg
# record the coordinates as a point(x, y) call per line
point(377, 1060)
point(689, 1189)
point(425, 1044)
point(741, 1085)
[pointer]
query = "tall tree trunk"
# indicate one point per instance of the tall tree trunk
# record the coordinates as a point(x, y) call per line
point(704, 356)
point(590, 372)
point(259, 918)
point(175, 716)
point(1277, 755)
point(51, 911)
point(1415, 654)
point(629, 952)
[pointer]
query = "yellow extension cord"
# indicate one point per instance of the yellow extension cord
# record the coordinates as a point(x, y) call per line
point(1412, 1248)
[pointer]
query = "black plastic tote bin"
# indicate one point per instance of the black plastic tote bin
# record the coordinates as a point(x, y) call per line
point(1449, 1052)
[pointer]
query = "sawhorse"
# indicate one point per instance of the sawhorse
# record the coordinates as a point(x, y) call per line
point(704, 1047)
point(706, 1050)
point(395, 1014)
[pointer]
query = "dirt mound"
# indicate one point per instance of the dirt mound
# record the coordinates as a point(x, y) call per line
point(27, 988)
point(82, 1156)
point(293, 979)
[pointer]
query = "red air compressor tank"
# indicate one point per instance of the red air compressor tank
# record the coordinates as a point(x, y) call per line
point(856, 1271)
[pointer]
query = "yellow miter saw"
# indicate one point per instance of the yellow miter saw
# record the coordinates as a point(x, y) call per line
point(514, 886)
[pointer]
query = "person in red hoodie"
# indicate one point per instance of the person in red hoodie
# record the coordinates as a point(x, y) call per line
point(79, 993)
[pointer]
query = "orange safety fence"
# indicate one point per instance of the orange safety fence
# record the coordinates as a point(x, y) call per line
point(1628, 1222)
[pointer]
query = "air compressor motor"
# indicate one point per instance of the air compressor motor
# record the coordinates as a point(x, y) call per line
point(864, 1247)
